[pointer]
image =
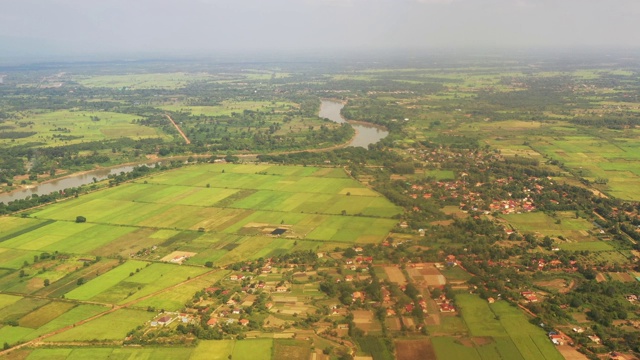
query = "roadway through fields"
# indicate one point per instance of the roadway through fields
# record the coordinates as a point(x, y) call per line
point(186, 139)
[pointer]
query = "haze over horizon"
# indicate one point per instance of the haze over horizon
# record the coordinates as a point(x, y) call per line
point(205, 27)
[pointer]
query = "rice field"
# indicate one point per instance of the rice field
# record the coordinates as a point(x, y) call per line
point(217, 213)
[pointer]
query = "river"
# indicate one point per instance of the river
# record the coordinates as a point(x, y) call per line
point(66, 182)
point(365, 134)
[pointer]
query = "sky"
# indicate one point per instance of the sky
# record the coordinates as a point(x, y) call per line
point(184, 27)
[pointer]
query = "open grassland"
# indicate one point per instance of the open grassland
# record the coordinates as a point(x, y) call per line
point(142, 81)
point(229, 107)
point(564, 224)
point(63, 127)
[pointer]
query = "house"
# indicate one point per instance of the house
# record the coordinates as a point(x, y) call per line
point(358, 295)
point(236, 311)
point(557, 339)
point(348, 278)
point(578, 330)
point(447, 308)
point(269, 306)
point(594, 338)
point(451, 260)
point(212, 322)
point(211, 290)
point(408, 308)
point(529, 296)
point(236, 277)
point(244, 322)
point(632, 298)
point(165, 320)
point(391, 312)
point(491, 300)
point(281, 289)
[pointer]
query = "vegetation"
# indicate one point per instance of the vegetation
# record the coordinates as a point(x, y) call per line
point(500, 213)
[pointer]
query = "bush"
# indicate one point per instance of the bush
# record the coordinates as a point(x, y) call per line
point(81, 219)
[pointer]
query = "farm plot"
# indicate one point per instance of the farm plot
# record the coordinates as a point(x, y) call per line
point(254, 349)
point(148, 280)
point(102, 328)
point(111, 353)
point(508, 327)
point(414, 349)
point(213, 350)
point(291, 349)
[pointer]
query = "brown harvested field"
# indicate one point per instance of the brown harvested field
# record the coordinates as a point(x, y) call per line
point(570, 353)
point(414, 350)
point(408, 322)
point(395, 275)
point(364, 319)
point(435, 280)
point(291, 349)
point(272, 321)
point(178, 254)
point(622, 277)
point(362, 316)
point(559, 285)
point(427, 273)
point(393, 323)
point(600, 277)
point(432, 319)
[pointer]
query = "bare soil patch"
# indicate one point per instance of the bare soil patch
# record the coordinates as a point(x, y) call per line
point(395, 275)
point(570, 353)
point(414, 350)
point(178, 257)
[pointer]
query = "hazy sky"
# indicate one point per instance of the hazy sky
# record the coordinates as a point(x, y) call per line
point(175, 27)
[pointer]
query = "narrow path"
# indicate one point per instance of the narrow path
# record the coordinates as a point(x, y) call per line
point(186, 139)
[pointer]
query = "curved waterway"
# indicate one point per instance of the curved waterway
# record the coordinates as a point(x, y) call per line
point(66, 182)
point(365, 134)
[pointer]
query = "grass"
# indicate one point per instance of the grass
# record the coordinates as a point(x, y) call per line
point(508, 326)
point(111, 353)
point(45, 314)
point(213, 350)
point(447, 348)
point(102, 328)
point(291, 349)
point(52, 128)
point(564, 224)
point(258, 349)
point(105, 281)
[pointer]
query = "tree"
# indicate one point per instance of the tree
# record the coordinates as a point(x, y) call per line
point(81, 219)
point(80, 281)
point(209, 264)
point(46, 282)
